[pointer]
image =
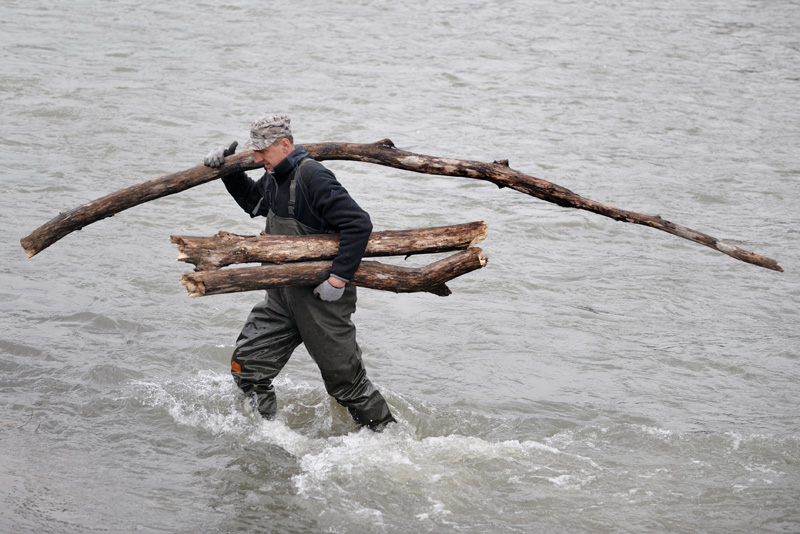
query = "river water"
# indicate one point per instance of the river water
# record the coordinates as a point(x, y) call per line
point(596, 376)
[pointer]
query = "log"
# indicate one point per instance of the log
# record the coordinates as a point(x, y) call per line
point(382, 153)
point(226, 248)
point(370, 274)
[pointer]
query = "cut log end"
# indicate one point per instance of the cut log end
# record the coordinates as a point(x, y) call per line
point(30, 250)
point(484, 231)
point(195, 288)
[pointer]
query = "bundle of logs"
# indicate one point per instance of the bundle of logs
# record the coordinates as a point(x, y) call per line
point(305, 260)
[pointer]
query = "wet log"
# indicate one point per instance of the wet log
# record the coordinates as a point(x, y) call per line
point(370, 274)
point(226, 248)
point(382, 153)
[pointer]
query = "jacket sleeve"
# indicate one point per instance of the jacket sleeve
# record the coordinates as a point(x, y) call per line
point(334, 204)
point(248, 193)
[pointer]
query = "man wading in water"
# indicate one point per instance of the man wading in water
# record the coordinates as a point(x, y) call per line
point(299, 196)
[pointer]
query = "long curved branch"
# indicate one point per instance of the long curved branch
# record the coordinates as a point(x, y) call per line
point(499, 173)
point(382, 153)
point(65, 223)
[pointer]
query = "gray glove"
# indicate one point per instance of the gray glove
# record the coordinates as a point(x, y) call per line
point(216, 157)
point(327, 292)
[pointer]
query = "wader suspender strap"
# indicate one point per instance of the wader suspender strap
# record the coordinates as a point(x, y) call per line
point(255, 210)
point(292, 195)
point(293, 186)
point(260, 200)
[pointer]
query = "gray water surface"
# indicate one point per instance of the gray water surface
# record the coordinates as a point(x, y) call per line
point(596, 376)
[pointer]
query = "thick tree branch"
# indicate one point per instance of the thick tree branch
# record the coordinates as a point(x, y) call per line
point(67, 222)
point(382, 153)
point(371, 274)
point(499, 173)
point(225, 248)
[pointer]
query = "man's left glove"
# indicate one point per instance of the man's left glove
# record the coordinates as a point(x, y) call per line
point(327, 292)
point(216, 157)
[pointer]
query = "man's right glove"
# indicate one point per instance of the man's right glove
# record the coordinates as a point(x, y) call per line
point(216, 157)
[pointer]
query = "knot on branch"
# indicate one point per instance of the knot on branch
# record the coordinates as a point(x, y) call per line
point(222, 234)
point(384, 143)
point(503, 162)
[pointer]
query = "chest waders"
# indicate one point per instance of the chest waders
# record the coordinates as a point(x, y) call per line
point(290, 316)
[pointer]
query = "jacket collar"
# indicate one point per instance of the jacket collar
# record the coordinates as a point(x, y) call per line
point(285, 168)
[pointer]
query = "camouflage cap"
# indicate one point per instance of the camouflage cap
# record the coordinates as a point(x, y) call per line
point(266, 130)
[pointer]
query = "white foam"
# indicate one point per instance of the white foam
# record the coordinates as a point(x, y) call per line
point(440, 468)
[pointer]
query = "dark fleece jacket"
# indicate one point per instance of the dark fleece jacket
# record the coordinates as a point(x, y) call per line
point(321, 203)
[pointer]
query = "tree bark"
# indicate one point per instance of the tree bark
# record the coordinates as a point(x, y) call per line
point(370, 274)
point(226, 248)
point(67, 222)
point(382, 153)
point(499, 173)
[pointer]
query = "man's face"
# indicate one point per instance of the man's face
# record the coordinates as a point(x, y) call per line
point(273, 154)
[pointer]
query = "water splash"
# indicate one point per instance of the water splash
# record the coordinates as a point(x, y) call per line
point(441, 475)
